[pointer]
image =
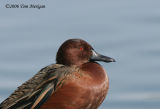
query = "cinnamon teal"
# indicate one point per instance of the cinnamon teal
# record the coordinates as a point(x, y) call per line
point(76, 81)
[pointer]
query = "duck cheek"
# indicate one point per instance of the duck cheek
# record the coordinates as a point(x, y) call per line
point(86, 55)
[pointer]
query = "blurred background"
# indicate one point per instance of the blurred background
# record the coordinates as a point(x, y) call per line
point(127, 30)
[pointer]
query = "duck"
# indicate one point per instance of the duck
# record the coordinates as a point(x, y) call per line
point(75, 81)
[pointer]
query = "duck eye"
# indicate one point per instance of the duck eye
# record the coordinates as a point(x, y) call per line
point(81, 48)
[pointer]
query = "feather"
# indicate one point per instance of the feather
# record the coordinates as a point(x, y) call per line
point(35, 91)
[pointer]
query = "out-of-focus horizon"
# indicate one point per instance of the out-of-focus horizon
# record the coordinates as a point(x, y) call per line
point(128, 31)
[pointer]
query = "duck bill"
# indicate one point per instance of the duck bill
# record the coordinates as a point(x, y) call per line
point(98, 57)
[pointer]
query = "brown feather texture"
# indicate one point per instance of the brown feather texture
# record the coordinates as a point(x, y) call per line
point(76, 81)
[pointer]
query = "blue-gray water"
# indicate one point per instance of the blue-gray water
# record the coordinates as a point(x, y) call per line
point(126, 30)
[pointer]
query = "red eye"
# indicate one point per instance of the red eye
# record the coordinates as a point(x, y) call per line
point(81, 48)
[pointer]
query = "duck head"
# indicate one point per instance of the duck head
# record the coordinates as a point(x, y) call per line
point(78, 52)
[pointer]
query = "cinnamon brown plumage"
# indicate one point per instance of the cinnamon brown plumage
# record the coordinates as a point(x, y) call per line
point(74, 82)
